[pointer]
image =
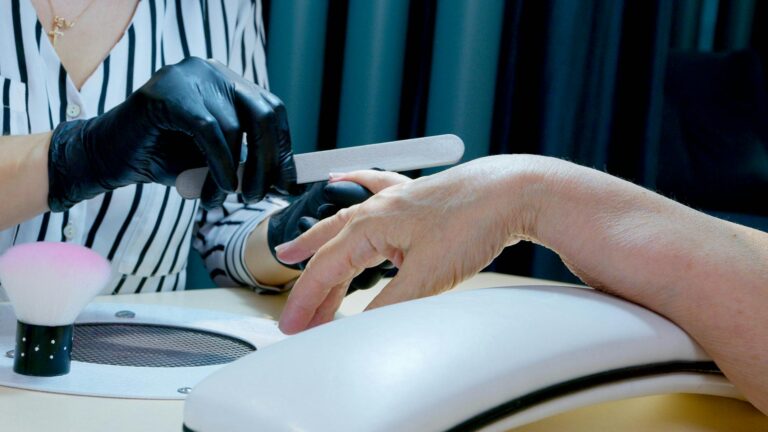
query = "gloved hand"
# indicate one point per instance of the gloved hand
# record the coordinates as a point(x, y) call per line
point(188, 115)
point(320, 201)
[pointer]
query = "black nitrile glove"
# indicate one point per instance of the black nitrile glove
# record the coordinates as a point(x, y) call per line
point(188, 115)
point(320, 201)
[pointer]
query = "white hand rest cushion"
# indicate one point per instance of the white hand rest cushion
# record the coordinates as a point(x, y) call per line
point(493, 358)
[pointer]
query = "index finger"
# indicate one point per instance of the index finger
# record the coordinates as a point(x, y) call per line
point(305, 245)
point(374, 181)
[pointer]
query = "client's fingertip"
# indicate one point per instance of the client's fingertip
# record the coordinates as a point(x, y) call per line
point(287, 323)
point(289, 253)
point(292, 321)
point(282, 247)
point(287, 327)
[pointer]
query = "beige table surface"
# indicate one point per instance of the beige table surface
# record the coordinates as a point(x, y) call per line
point(22, 410)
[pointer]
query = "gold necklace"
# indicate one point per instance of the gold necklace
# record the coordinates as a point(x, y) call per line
point(60, 24)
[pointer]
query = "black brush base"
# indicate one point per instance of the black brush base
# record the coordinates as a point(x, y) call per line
point(42, 350)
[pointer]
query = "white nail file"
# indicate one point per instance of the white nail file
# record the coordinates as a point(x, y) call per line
point(404, 155)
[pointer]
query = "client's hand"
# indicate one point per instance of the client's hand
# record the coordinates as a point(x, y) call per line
point(429, 228)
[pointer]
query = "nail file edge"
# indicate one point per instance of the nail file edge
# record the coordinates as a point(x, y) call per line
point(403, 155)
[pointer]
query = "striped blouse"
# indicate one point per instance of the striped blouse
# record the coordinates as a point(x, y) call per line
point(144, 230)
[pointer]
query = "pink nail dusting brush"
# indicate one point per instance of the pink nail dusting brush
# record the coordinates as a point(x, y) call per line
point(48, 285)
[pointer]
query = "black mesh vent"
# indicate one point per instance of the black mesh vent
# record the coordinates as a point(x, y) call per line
point(149, 345)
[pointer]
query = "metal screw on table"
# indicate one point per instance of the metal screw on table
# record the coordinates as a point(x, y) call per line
point(125, 314)
point(9, 353)
point(185, 390)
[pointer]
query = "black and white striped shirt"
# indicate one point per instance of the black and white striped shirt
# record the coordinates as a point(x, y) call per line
point(144, 230)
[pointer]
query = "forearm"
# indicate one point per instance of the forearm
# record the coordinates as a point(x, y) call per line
point(23, 177)
point(707, 275)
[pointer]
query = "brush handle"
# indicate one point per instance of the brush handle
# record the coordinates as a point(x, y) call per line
point(42, 350)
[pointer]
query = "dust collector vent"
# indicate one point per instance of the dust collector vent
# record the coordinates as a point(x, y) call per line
point(149, 345)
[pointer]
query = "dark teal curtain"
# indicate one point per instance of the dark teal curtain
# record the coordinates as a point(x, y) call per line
point(669, 94)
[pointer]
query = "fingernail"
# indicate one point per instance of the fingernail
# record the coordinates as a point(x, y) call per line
point(281, 247)
point(280, 253)
point(334, 176)
point(287, 255)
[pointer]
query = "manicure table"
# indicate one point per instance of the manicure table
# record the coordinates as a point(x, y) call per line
point(25, 410)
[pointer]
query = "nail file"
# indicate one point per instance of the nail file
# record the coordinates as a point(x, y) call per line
point(403, 155)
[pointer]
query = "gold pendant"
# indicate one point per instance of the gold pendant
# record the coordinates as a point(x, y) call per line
point(59, 25)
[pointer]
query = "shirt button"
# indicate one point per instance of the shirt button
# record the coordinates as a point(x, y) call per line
point(69, 231)
point(73, 110)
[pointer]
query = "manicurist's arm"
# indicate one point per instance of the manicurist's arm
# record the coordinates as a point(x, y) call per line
point(23, 177)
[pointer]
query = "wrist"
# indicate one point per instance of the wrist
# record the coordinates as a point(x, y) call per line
point(526, 187)
point(275, 234)
point(550, 190)
point(260, 261)
point(69, 168)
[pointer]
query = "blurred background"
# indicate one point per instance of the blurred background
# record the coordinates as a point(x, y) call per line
point(669, 94)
